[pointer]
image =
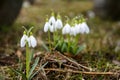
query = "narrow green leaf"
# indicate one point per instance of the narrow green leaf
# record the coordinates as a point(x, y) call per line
point(31, 56)
point(45, 46)
point(80, 48)
point(33, 66)
point(28, 32)
point(41, 67)
point(19, 73)
point(57, 44)
point(64, 47)
point(73, 49)
point(21, 65)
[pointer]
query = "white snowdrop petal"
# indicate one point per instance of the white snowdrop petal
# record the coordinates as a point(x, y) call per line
point(33, 41)
point(77, 28)
point(81, 28)
point(58, 24)
point(86, 28)
point(29, 42)
point(66, 29)
point(63, 30)
point(22, 43)
point(73, 31)
point(51, 28)
point(23, 40)
point(46, 27)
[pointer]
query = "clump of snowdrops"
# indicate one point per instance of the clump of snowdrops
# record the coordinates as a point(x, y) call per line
point(28, 41)
point(64, 36)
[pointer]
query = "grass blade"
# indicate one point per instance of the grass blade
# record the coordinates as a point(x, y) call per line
point(33, 66)
point(45, 46)
point(41, 67)
point(80, 48)
point(19, 73)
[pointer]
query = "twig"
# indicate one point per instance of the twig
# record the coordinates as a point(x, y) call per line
point(69, 66)
point(68, 75)
point(75, 63)
point(80, 72)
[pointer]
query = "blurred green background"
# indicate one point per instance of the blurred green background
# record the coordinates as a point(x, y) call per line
point(104, 35)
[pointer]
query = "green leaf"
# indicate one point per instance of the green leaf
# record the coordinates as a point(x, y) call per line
point(58, 44)
point(33, 66)
point(74, 43)
point(41, 67)
point(21, 65)
point(31, 56)
point(45, 46)
point(73, 49)
point(19, 73)
point(64, 47)
point(80, 48)
point(28, 32)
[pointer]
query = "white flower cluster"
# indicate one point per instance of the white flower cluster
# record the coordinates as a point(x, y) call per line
point(30, 40)
point(53, 24)
point(78, 27)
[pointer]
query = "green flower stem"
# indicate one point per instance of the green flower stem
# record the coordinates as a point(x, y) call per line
point(76, 38)
point(54, 38)
point(27, 60)
point(61, 35)
point(49, 40)
point(68, 49)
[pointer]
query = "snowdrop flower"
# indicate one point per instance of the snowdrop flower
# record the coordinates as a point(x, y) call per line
point(58, 23)
point(66, 29)
point(81, 28)
point(46, 26)
point(52, 20)
point(32, 41)
point(85, 27)
point(73, 31)
point(23, 40)
point(77, 28)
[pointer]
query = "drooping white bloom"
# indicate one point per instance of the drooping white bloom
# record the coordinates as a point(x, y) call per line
point(52, 20)
point(32, 41)
point(23, 40)
point(81, 28)
point(66, 29)
point(58, 24)
point(46, 26)
point(86, 28)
